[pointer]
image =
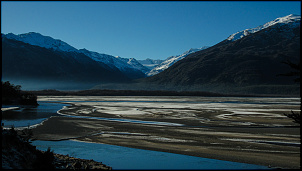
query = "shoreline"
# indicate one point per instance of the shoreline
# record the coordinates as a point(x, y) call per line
point(290, 160)
point(109, 92)
point(17, 153)
point(245, 144)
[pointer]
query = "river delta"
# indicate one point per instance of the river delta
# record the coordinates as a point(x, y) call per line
point(248, 130)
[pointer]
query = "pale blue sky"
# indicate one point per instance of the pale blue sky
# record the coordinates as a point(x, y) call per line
point(140, 29)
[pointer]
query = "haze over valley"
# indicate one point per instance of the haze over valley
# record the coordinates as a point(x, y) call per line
point(149, 85)
point(249, 61)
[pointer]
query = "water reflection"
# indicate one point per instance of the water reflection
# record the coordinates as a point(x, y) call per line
point(28, 116)
point(116, 156)
point(125, 158)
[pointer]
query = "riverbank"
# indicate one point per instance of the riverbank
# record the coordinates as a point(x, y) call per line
point(17, 153)
point(250, 132)
point(110, 92)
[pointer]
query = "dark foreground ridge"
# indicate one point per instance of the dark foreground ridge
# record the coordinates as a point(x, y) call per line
point(17, 153)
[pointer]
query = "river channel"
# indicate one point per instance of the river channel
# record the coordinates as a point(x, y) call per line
point(120, 157)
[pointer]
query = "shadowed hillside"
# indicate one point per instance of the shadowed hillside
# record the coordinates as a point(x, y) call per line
point(248, 65)
point(35, 67)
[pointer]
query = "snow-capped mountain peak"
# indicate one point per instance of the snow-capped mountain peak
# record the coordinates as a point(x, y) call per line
point(133, 63)
point(287, 19)
point(114, 63)
point(173, 59)
point(281, 20)
point(38, 39)
point(122, 64)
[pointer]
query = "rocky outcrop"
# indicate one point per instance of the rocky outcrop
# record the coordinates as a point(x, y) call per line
point(67, 162)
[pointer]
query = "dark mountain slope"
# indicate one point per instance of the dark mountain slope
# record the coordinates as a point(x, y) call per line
point(248, 64)
point(27, 64)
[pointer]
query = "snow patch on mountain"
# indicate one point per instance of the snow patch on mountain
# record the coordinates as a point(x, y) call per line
point(171, 60)
point(123, 64)
point(43, 41)
point(114, 63)
point(281, 20)
point(134, 63)
point(150, 63)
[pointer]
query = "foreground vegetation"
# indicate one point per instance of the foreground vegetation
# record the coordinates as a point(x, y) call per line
point(12, 94)
point(18, 153)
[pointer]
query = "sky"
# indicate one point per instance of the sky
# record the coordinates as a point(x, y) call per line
point(140, 29)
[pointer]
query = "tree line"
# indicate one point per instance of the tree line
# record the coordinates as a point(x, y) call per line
point(12, 94)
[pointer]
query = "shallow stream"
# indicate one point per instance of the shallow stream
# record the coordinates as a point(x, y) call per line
point(124, 158)
point(119, 157)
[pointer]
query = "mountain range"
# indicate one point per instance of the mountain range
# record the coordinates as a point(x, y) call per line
point(247, 61)
point(29, 57)
point(123, 64)
point(37, 67)
point(129, 66)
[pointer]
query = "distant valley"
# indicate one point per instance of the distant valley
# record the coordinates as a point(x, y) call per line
point(249, 61)
point(150, 63)
point(31, 57)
